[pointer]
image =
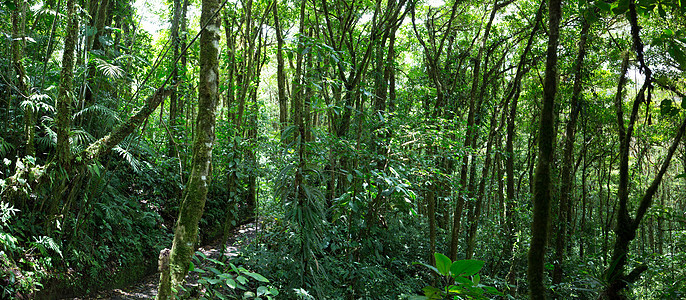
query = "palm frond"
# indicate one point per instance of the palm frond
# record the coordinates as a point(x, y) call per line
point(97, 110)
point(5, 147)
point(42, 102)
point(128, 156)
point(108, 69)
point(49, 139)
point(27, 105)
point(79, 139)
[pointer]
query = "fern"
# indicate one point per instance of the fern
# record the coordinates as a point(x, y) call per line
point(45, 243)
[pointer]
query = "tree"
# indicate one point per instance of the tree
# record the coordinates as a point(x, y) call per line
point(65, 96)
point(627, 226)
point(542, 178)
point(186, 228)
point(568, 159)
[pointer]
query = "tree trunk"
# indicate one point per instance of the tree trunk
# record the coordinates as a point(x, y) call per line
point(513, 97)
point(186, 229)
point(280, 71)
point(99, 23)
point(65, 94)
point(174, 98)
point(542, 178)
point(18, 44)
point(568, 160)
point(470, 139)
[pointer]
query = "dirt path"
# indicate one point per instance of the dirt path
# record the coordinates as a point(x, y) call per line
point(147, 287)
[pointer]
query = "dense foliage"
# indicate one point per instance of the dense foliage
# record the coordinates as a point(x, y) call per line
point(364, 138)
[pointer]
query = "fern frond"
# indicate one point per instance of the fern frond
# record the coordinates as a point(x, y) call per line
point(45, 243)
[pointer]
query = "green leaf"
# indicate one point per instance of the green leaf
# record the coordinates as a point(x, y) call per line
point(681, 176)
point(467, 267)
point(231, 283)
point(262, 290)
point(257, 277)
point(621, 8)
point(242, 279)
point(10, 5)
point(442, 263)
point(604, 6)
point(191, 268)
point(463, 280)
point(476, 279)
point(677, 54)
point(428, 266)
point(430, 291)
point(492, 290)
point(666, 108)
point(213, 280)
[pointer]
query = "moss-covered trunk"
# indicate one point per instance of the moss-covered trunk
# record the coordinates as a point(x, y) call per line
point(186, 229)
point(63, 109)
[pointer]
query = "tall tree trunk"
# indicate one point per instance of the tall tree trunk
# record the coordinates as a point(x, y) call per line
point(186, 228)
point(174, 98)
point(568, 160)
point(280, 70)
point(471, 136)
point(18, 43)
point(542, 179)
point(99, 23)
point(65, 94)
point(627, 226)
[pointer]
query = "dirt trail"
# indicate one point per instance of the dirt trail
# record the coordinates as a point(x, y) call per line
point(147, 287)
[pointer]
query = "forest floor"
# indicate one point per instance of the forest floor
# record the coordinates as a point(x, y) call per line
point(146, 288)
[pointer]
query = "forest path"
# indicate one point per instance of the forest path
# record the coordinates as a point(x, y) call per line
point(146, 288)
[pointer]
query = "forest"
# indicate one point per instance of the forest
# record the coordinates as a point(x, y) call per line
point(378, 149)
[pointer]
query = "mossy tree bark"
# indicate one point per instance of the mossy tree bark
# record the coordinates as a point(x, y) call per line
point(18, 44)
point(64, 97)
point(98, 9)
point(186, 229)
point(542, 177)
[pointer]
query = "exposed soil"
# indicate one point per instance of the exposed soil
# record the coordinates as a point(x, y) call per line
point(147, 287)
